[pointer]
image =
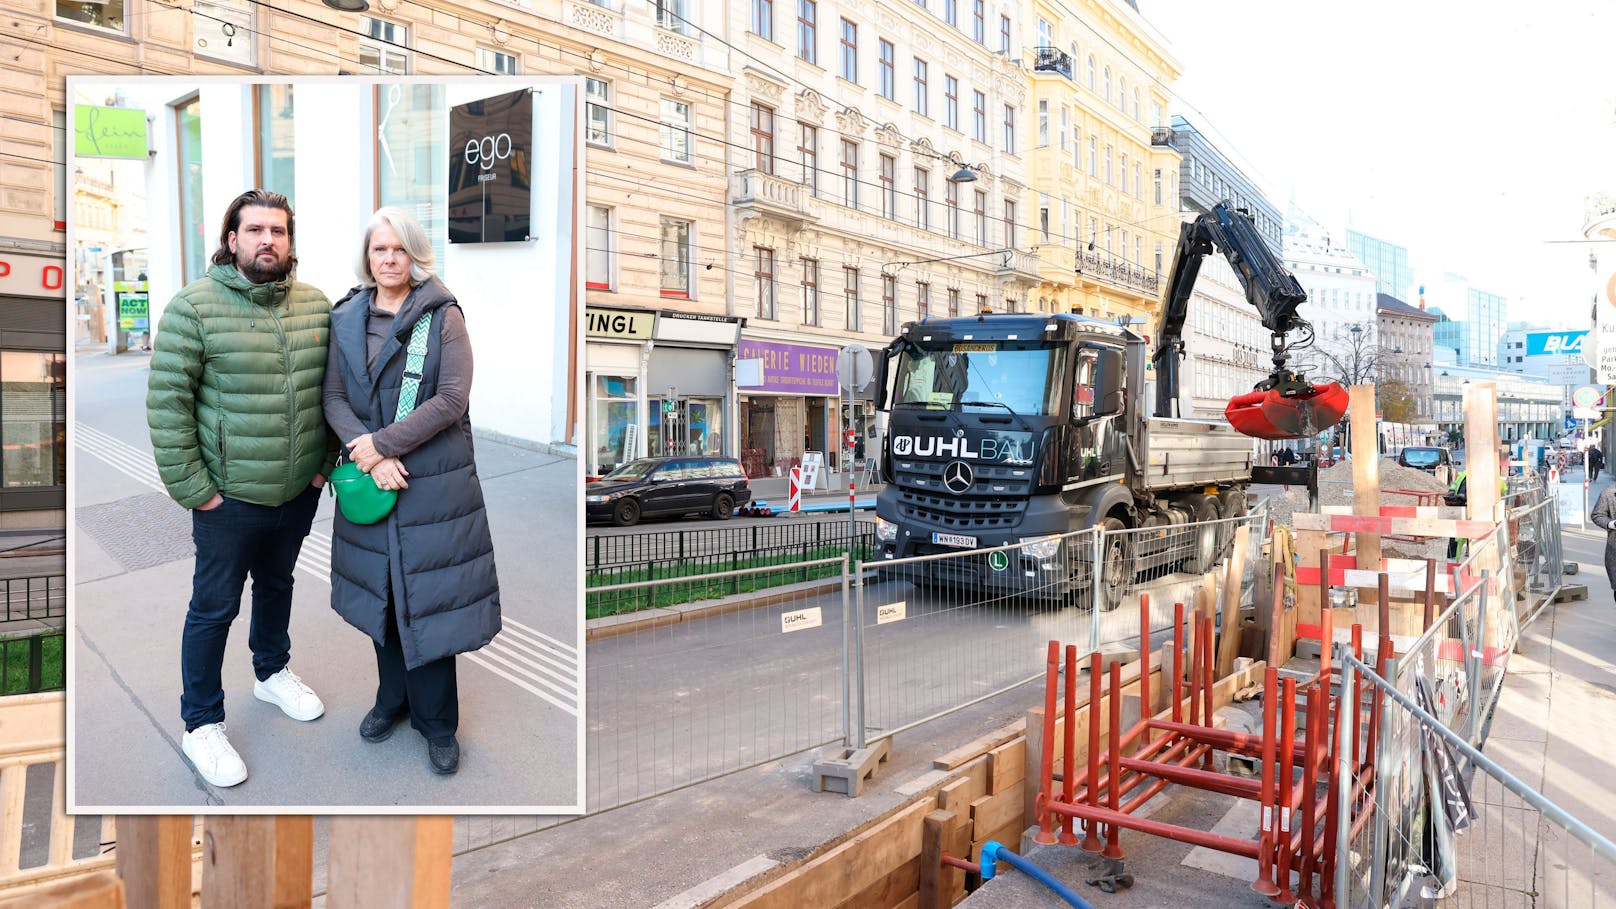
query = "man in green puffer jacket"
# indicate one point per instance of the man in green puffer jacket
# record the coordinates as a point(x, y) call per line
point(234, 407)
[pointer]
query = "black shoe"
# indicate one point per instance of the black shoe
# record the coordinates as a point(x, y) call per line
point(377, 726)
point(444, 756)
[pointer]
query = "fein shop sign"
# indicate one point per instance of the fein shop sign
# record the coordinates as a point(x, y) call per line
point(490, 169)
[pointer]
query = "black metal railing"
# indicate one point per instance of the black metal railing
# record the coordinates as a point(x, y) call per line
point(1053, 60)
point(1161, 135)
point(1117, 271)
point(33, 663)
point(43, 597)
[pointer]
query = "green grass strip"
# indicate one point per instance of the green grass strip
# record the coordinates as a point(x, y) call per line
point(789, 565)
point(53, 669)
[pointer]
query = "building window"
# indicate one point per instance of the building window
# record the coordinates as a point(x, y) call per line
point(979, 26)
point(1108, 175)
point(889, 187)
point(763, 138)
point(599, 251)
point(1043, 122)
point(1158, 178)
point(33, 434)
point(413, 123)
point(1010, 129)
point(674, 15)
point(1004, 34)
point(1107, 84)
point(383, 47)
point(499, 62)
point(850, 285)
point(950, 102)
point(982, 303)
point(889, 78)
point(1043, 218)
point(598, 111)
point(1010, 223)
point(763, 19)
point(1065, 128)
point(1138, 182)
point(922, 202)
point(889, 304)
point(810, 290)
point(1091, 72)
point(58, 154)
point(1122, 95)
point(979, 116)
point(1094, 156)
point(951, 207)
point(1077, 148)
point(920, 87)
point(1136, 116)
point(1122, 173)
point(193, 219)
point(953, 302)
point(849, 51)
point(807, 31)
point(808, 150)
point(923, 299)
point(1155, 114)
point(276, 167)
point(110, 15)
point(223, 29)
point(676, 131)
point(766, 290)
point(981, 218)
point(676, 254)
point(850, 183)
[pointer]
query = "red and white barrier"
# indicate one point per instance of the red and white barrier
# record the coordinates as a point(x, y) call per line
point(795, 490)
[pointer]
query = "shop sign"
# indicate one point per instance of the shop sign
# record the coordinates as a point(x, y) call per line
point(32, 276)
point(792, 368)
point(697, 328)
point(618, 323)
point(109, 132)
point(490, 169)
point(1542, 343)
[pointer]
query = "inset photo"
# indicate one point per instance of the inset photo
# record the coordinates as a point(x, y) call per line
point(323, 509)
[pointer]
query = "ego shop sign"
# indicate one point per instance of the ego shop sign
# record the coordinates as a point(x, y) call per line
point(32, 276)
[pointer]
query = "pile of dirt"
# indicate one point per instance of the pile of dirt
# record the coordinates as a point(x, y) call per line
point(1335, 488)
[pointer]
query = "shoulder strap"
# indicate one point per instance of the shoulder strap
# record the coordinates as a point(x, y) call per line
point(414, 364)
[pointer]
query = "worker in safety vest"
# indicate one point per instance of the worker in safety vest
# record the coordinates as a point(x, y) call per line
point(1456, 496)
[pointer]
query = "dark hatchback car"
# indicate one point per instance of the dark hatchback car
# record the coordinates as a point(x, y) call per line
point(1426, 458)
point(667, 486)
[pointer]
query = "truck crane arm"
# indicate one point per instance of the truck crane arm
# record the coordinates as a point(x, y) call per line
point(1283, 405)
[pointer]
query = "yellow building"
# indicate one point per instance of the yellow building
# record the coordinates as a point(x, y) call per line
point(1105, 216)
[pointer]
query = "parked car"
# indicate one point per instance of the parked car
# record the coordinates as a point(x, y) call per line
point(667, 486)
point(1426, 458)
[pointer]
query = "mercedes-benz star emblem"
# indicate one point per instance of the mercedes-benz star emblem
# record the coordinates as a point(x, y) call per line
point(957, 477)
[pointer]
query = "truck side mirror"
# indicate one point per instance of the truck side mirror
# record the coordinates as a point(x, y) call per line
point(883, 356)
point(1108, 383)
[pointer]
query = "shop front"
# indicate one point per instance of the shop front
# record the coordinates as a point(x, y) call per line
point(789, 404)
point(33, 382)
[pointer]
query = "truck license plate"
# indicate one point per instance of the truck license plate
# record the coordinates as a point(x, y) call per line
point(954, 539)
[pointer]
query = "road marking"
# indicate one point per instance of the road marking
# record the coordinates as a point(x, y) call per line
point(538, 663)
point(719, 884)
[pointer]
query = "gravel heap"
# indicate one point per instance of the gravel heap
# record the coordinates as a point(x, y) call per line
point(1335, 488)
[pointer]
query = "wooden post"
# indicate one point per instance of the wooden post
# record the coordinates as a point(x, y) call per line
point(154, 860)
point(1481, 450)
point(1229, 643)
point(1365, 476)
point(101, 890)
point(389, 861)
point(939, 882)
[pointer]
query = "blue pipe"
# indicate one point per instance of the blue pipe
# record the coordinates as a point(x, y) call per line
point(993, 851)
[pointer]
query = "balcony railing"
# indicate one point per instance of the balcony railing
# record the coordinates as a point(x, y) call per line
point(1053, 60)
point(1106, 267)
point(1015, 263)
point(771, 194)
point(1161, 135)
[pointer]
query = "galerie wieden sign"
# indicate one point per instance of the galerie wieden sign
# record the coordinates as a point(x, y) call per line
point(490, 169)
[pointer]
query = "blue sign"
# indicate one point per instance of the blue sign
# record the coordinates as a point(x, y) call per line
point(1570, 423)
point(1540, 343)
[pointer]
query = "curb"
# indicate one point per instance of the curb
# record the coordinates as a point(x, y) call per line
point(646, 619)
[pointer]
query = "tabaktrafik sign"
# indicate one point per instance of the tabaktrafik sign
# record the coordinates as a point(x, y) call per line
point(1550, 343)
point(490, 169)
point(797, 369)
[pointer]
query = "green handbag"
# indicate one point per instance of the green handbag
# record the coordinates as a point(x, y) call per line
point(358, 496)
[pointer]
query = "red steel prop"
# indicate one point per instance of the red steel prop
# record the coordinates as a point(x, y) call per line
point(1295, 844)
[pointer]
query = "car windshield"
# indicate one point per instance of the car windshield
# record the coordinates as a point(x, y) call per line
point(1024, 377)
point(633, 470)
point(1422, 457)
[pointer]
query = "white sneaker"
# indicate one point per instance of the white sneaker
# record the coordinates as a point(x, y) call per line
point(286, 691)
point(210, 753)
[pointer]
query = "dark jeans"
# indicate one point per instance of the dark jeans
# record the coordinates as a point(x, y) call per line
point(428, 693)
point(233, 541)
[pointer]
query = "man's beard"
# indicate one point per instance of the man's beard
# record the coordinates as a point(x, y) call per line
point(252, 271)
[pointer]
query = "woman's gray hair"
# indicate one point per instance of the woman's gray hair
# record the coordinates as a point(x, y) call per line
point(410, 233)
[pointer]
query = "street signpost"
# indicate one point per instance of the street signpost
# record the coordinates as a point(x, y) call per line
point(854, 369)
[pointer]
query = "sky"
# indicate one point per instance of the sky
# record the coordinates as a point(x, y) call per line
point(1469, 133)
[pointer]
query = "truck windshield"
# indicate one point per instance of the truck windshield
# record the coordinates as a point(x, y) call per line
point(1422, 457)
point(981, 375)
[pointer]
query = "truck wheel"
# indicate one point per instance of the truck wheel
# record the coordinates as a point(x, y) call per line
point(1206, 549)
point(1116, 567)
point(1233, 505)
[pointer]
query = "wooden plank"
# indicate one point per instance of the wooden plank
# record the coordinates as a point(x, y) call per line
point(13, 786)
point(1233, 576)
point(1365, 472)
point(154, 859)
point(61, 825)
point(294, 861)
point(990, 812)
point(389, 861)
point(101, 890)
point(890, 891)
point(968, 752)
point(238, 861)
point(1481, 451)
point(1374, 524)
point(1007, 835)
point(934, 875)
point(849, 867)
point(1007, 765)
point(972, 784)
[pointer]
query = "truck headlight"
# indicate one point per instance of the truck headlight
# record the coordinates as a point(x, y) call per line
point(885, 531)
point(1042, 549)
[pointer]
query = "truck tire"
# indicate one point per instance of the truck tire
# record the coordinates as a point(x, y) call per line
point(1232, 502)
point(1116, 567)
point(1205, 545)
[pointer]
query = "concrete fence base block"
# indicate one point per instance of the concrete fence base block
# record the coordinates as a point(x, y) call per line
point(851, 768)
